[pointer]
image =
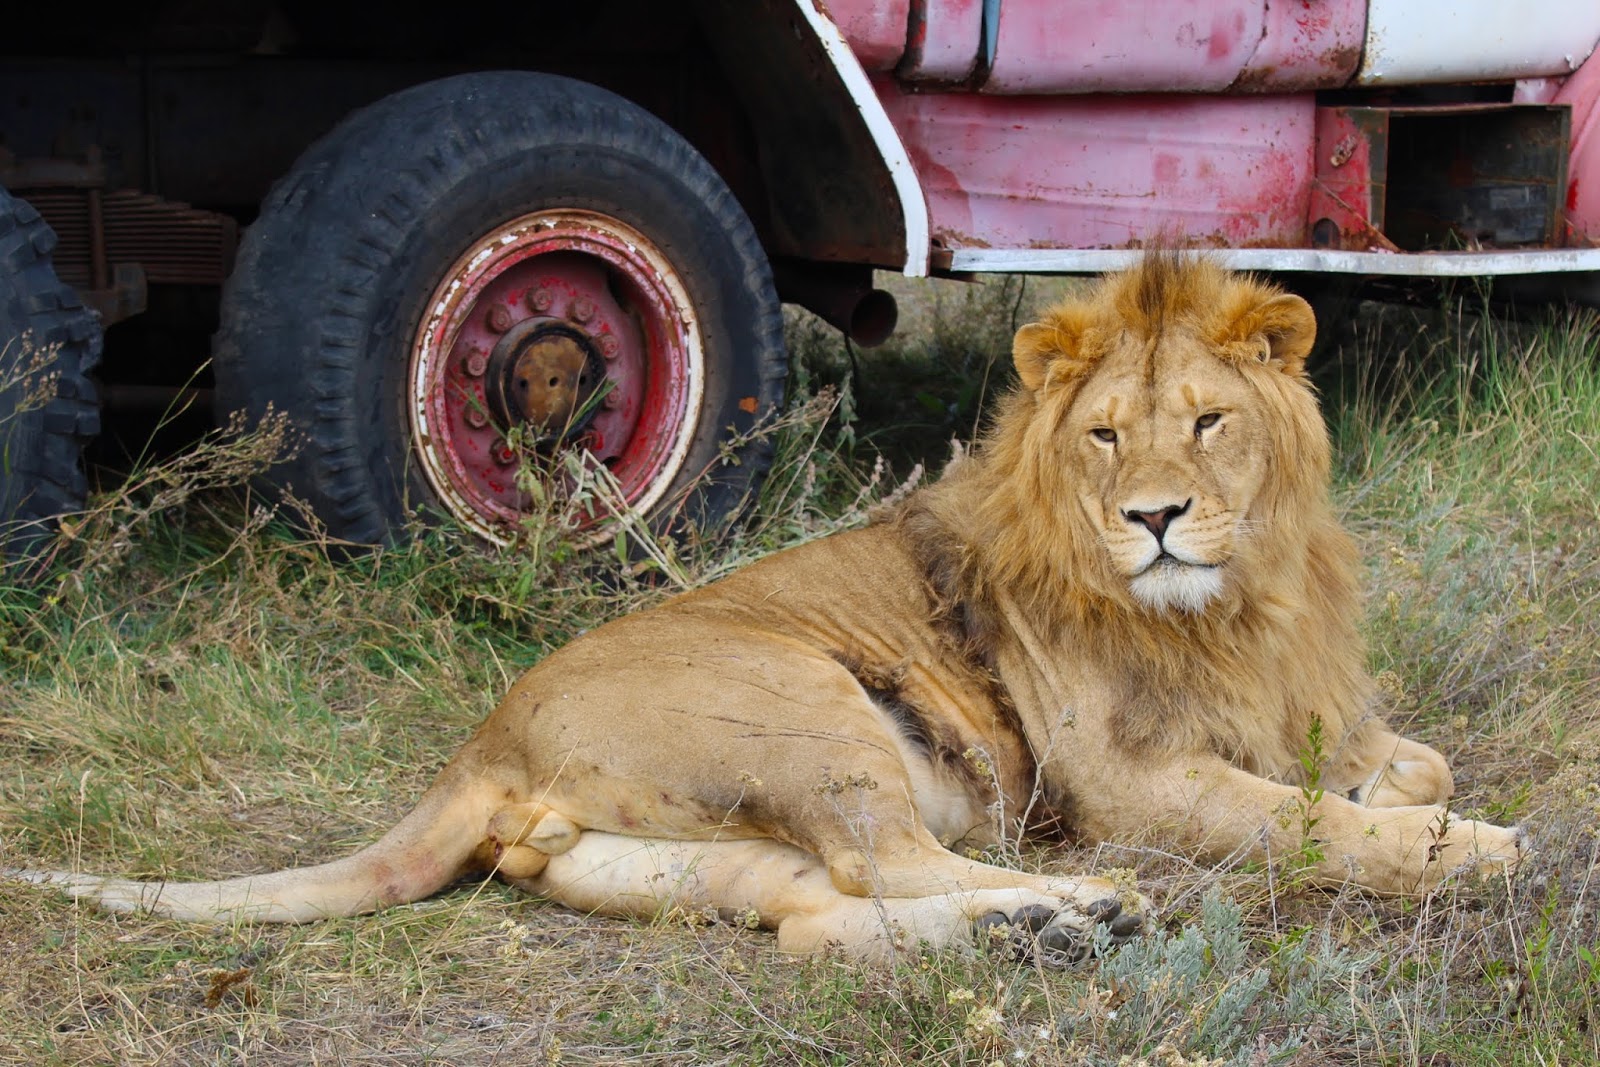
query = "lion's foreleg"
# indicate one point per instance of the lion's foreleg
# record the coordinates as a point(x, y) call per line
point(1223, 812)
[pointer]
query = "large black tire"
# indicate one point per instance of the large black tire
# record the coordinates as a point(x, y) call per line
point(45, 333)
point(328, 294)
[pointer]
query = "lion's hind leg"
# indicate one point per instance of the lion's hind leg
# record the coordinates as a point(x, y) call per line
point(785, 889)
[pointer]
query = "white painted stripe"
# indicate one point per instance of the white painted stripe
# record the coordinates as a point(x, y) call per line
point(1403, 264)
point(913, 205)
point(1414, 41)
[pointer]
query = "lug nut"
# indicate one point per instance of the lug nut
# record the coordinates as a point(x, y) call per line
point(539, 299)
point(582, 309)
point(609, 345)
point(476, 364)
point(499, 319)
point(477, 418)
point(612, 400)
point(502, 453)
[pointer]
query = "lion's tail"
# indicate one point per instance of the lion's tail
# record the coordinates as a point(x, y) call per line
point(437, 843)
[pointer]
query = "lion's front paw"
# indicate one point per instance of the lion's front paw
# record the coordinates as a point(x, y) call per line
point(1481, 848)
point(1415, 775)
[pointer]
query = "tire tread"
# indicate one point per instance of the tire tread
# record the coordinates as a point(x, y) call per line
point(43, 446)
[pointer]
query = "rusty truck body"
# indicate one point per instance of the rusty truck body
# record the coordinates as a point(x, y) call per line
point(440, 241)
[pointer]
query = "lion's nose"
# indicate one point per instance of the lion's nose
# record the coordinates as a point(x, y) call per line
point(1157, 521)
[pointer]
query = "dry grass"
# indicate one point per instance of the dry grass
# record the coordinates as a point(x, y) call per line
point(198, 692)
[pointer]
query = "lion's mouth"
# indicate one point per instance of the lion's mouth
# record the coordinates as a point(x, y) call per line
point(1172, 583)
point(1168, 562)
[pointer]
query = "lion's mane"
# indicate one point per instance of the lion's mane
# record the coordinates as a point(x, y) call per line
point(1002, 526)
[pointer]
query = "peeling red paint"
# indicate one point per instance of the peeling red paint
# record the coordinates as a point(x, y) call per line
point(875, 29)
point(1128, 121)
point(1099, 172)
point(1082, 46)
point(1582, 93)
point(943, 41)
point(1306, 44)
point(1351, 147)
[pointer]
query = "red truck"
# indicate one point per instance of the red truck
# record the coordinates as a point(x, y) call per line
point(432, 237)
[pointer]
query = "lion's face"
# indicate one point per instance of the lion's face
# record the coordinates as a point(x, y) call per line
point(1169, 453)
point(1175, 416)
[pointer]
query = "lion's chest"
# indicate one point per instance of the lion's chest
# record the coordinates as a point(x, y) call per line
point(1096, 701)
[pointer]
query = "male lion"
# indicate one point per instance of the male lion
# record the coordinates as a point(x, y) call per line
point(1127, 610)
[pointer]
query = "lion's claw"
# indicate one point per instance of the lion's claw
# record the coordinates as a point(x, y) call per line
point(1126, 926)
point(1104, 910)
point(1059, 947)
point(1033, 917)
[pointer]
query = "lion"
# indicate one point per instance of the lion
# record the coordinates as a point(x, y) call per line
point(1128, 613)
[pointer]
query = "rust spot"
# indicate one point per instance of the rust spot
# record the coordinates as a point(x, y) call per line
point(747, 404)
point(1316, 70)
point(1255, 79)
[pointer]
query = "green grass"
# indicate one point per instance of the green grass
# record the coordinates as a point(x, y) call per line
point(194, 690)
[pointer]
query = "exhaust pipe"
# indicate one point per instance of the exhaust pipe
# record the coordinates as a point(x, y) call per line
point(841, 295)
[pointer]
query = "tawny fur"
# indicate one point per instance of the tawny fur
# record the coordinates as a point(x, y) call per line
point(1124, 612)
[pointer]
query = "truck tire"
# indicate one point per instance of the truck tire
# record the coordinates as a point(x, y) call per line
point(48, 409)
point(502, 251)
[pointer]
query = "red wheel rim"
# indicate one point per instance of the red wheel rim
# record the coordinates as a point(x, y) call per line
point(566, 326)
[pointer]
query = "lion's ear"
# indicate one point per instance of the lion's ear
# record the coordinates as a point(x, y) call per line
point(1035, 346)
point(1050, 351)
point(1279, 329)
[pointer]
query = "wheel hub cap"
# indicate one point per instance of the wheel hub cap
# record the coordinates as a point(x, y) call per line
point(546, 375)
point(566, 328)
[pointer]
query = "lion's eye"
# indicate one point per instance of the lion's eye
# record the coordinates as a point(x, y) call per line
point(1104, 434)
point(1206, 421)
